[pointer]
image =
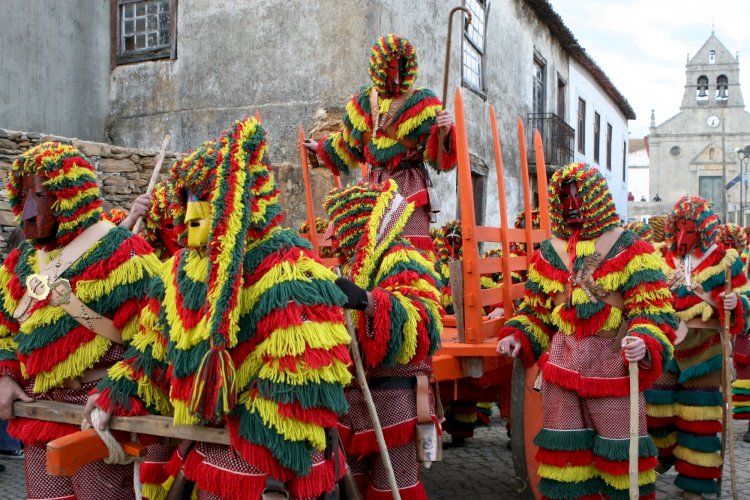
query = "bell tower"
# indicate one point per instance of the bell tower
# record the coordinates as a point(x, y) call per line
point(712, 78)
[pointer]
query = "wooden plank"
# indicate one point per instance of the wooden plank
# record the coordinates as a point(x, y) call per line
point(457, 290)
point(67, 413)
point(446, 367)
point(66, 455)
point(488, 233)
point(458, 349)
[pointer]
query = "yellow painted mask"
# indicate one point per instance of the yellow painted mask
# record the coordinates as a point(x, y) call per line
point(197, 218)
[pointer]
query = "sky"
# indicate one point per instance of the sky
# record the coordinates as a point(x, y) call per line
point(642, 45)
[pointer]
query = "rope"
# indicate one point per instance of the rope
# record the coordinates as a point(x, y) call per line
point(117, 455)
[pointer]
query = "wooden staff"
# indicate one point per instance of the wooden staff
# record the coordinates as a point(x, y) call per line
point(446, 70)
point(154, 177)
point(634, 434)
point(726, 377)
point(362, 381)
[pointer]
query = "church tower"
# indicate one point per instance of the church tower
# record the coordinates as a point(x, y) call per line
point(713, 78)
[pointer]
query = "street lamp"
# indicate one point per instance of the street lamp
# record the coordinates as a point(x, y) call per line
point(743, 155)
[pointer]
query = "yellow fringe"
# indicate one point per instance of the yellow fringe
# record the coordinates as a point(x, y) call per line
point(295, 340)
point(661, 411)
point(717, 269)
point(695, 413)
point(741, 384)
point(75, 201)
point(666, 441)
point(291, 429)
point(575, 474)
point(407, 126)
point(182, 415)
point(155, 491)
point(549, 286)
point(622, 481)
point(335, 373)
point(409, 330)
point(701, 309)
point(698, 458)
point(357, 119)
point(531, 328)
point(74, 365)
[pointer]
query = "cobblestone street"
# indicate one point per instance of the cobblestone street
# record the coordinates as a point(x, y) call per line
point(481, 470)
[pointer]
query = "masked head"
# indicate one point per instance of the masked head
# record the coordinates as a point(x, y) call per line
point(393, 65)
point(351, 210)
point(197, 219)
point(732, 236)
point(52, 190)
point(642, 229)
point(691, 227)
point(580, 202)
point(453, 239)
point(164, 216)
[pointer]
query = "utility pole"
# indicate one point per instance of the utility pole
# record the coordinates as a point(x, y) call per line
point(724, 166)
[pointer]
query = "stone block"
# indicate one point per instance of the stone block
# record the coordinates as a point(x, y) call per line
point(5, 143)
point(116, 180)
point(91, 149)
point(115, 165)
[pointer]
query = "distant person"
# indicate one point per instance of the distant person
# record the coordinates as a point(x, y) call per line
point(643, 198)
point(656, 197)
point(630, 196)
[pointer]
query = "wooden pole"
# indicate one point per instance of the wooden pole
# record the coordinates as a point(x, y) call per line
point(154, 176)
point(634, 434)
point(726, 377)
point(362, 381)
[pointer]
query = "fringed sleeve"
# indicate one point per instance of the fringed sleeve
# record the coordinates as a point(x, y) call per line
point(407, 326)
point(291, 359)
point(739, 317)
point(9, 365)
point(532, 324)
point(139, 384)
point(648, 302)
point(343, 151)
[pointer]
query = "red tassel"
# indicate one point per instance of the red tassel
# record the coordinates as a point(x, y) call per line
point(564, 458)
point(697, 471)
point(620, 467)
point(321, 478)
point(699, 427)
point(415, 492)
point(228, 484)
point(365, 443)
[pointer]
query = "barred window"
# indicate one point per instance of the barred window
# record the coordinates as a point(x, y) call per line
point(146, 30)
point(473, 47)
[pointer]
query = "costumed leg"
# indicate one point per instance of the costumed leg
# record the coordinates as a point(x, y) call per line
point(99, 480)
point(741, 386)
point(406, 468)
point(460, 419)
point(610, 417)
point(660, 413)
point(39, 484)
point(566, 461)
point(153, 471)
point(218, 470)
point(698, 406)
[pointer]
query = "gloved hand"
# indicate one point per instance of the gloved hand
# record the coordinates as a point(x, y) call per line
point(356, 296)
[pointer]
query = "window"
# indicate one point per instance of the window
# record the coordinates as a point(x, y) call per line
point(712, 57)
point(561, 97)
point(702, 89)
point(722, 88)
point(581, 126)
point(597, 136)
point(473, 51)
point(624, 158)
point(609, 146)
point(538, 90)
point(144, 30)
point(675, 151)
point(712, 156)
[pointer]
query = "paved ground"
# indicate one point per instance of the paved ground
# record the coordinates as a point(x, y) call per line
point(482, 470)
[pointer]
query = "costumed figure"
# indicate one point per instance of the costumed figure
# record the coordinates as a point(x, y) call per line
point(249, 334)
point(642, 229)
point(71, 295)
point(398, 130)
point(733, 236)
point(321, 226)
point(656, 223)
point(393, 291)
point(161, 220)
point(115, 215)
point(588, 287)
point(685, 404)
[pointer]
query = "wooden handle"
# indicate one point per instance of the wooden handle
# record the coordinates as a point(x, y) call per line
point(154, 176)
point(634, 431)
point(66, 455)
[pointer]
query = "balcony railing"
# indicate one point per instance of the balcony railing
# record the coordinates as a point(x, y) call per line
point(557, 138)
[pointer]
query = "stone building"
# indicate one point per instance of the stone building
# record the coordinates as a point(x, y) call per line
point(690, 151)
point(128, 72)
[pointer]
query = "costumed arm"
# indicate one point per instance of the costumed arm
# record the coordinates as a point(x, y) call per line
point(532, 324)
point(139, 384)
point(406, 326)
point(740, 286)
point(343, 151)
point(9, 364)
point(419, 121)
point(648, 303)
point(292, 363)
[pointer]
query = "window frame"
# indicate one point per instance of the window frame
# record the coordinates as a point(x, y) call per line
point(597, 136)
point(581, 129)
point(562, 87)
point(481, 51)
point(624, 159)
point(609, 146)
point(539, 84)
point(118, 58)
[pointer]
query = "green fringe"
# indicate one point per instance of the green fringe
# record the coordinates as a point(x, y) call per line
point(703, 486)
point(186, 362)
point(614, 494)
point(699, 398)
point(738, 391)
point(294, 455)
point(398, 317)
point(711, 365)
point(557, 440)
point(704, 444)
point(672, 366)
point(320, 395)
point(559, 490)
point(618, 449)
point(658, 397)
point(741, 409)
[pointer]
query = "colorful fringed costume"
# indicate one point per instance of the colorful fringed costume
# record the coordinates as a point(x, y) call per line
point(583, 446)
point(246, 332)
point(396, 341)
point(642, 229)
point(51, 354)
point(684, 405)
point(164, 215)
point(404, 142)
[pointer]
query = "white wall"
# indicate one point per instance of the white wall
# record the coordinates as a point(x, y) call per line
point(582, 85)
point(638, 174)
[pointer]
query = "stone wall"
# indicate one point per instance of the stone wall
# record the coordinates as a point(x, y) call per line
point(124, 173)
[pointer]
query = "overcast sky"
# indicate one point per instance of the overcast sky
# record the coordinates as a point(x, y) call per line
point(642, 45)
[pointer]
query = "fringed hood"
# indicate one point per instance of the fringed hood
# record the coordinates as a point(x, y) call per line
point(698, 210)
point(165, 204)
point(69, 178)
point(597, 208)
point(657, 224)
point(520, 222)
point(641, 229)
point(731, 235)
point(385, 48)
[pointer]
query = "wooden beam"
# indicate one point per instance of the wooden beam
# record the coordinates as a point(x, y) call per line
point(66, 455)
point(67, 413)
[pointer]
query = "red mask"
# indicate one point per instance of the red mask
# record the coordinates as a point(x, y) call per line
point(38, 220)
point(687, 236)
point(168, 236)
point(571, 204)
point(393, 78)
